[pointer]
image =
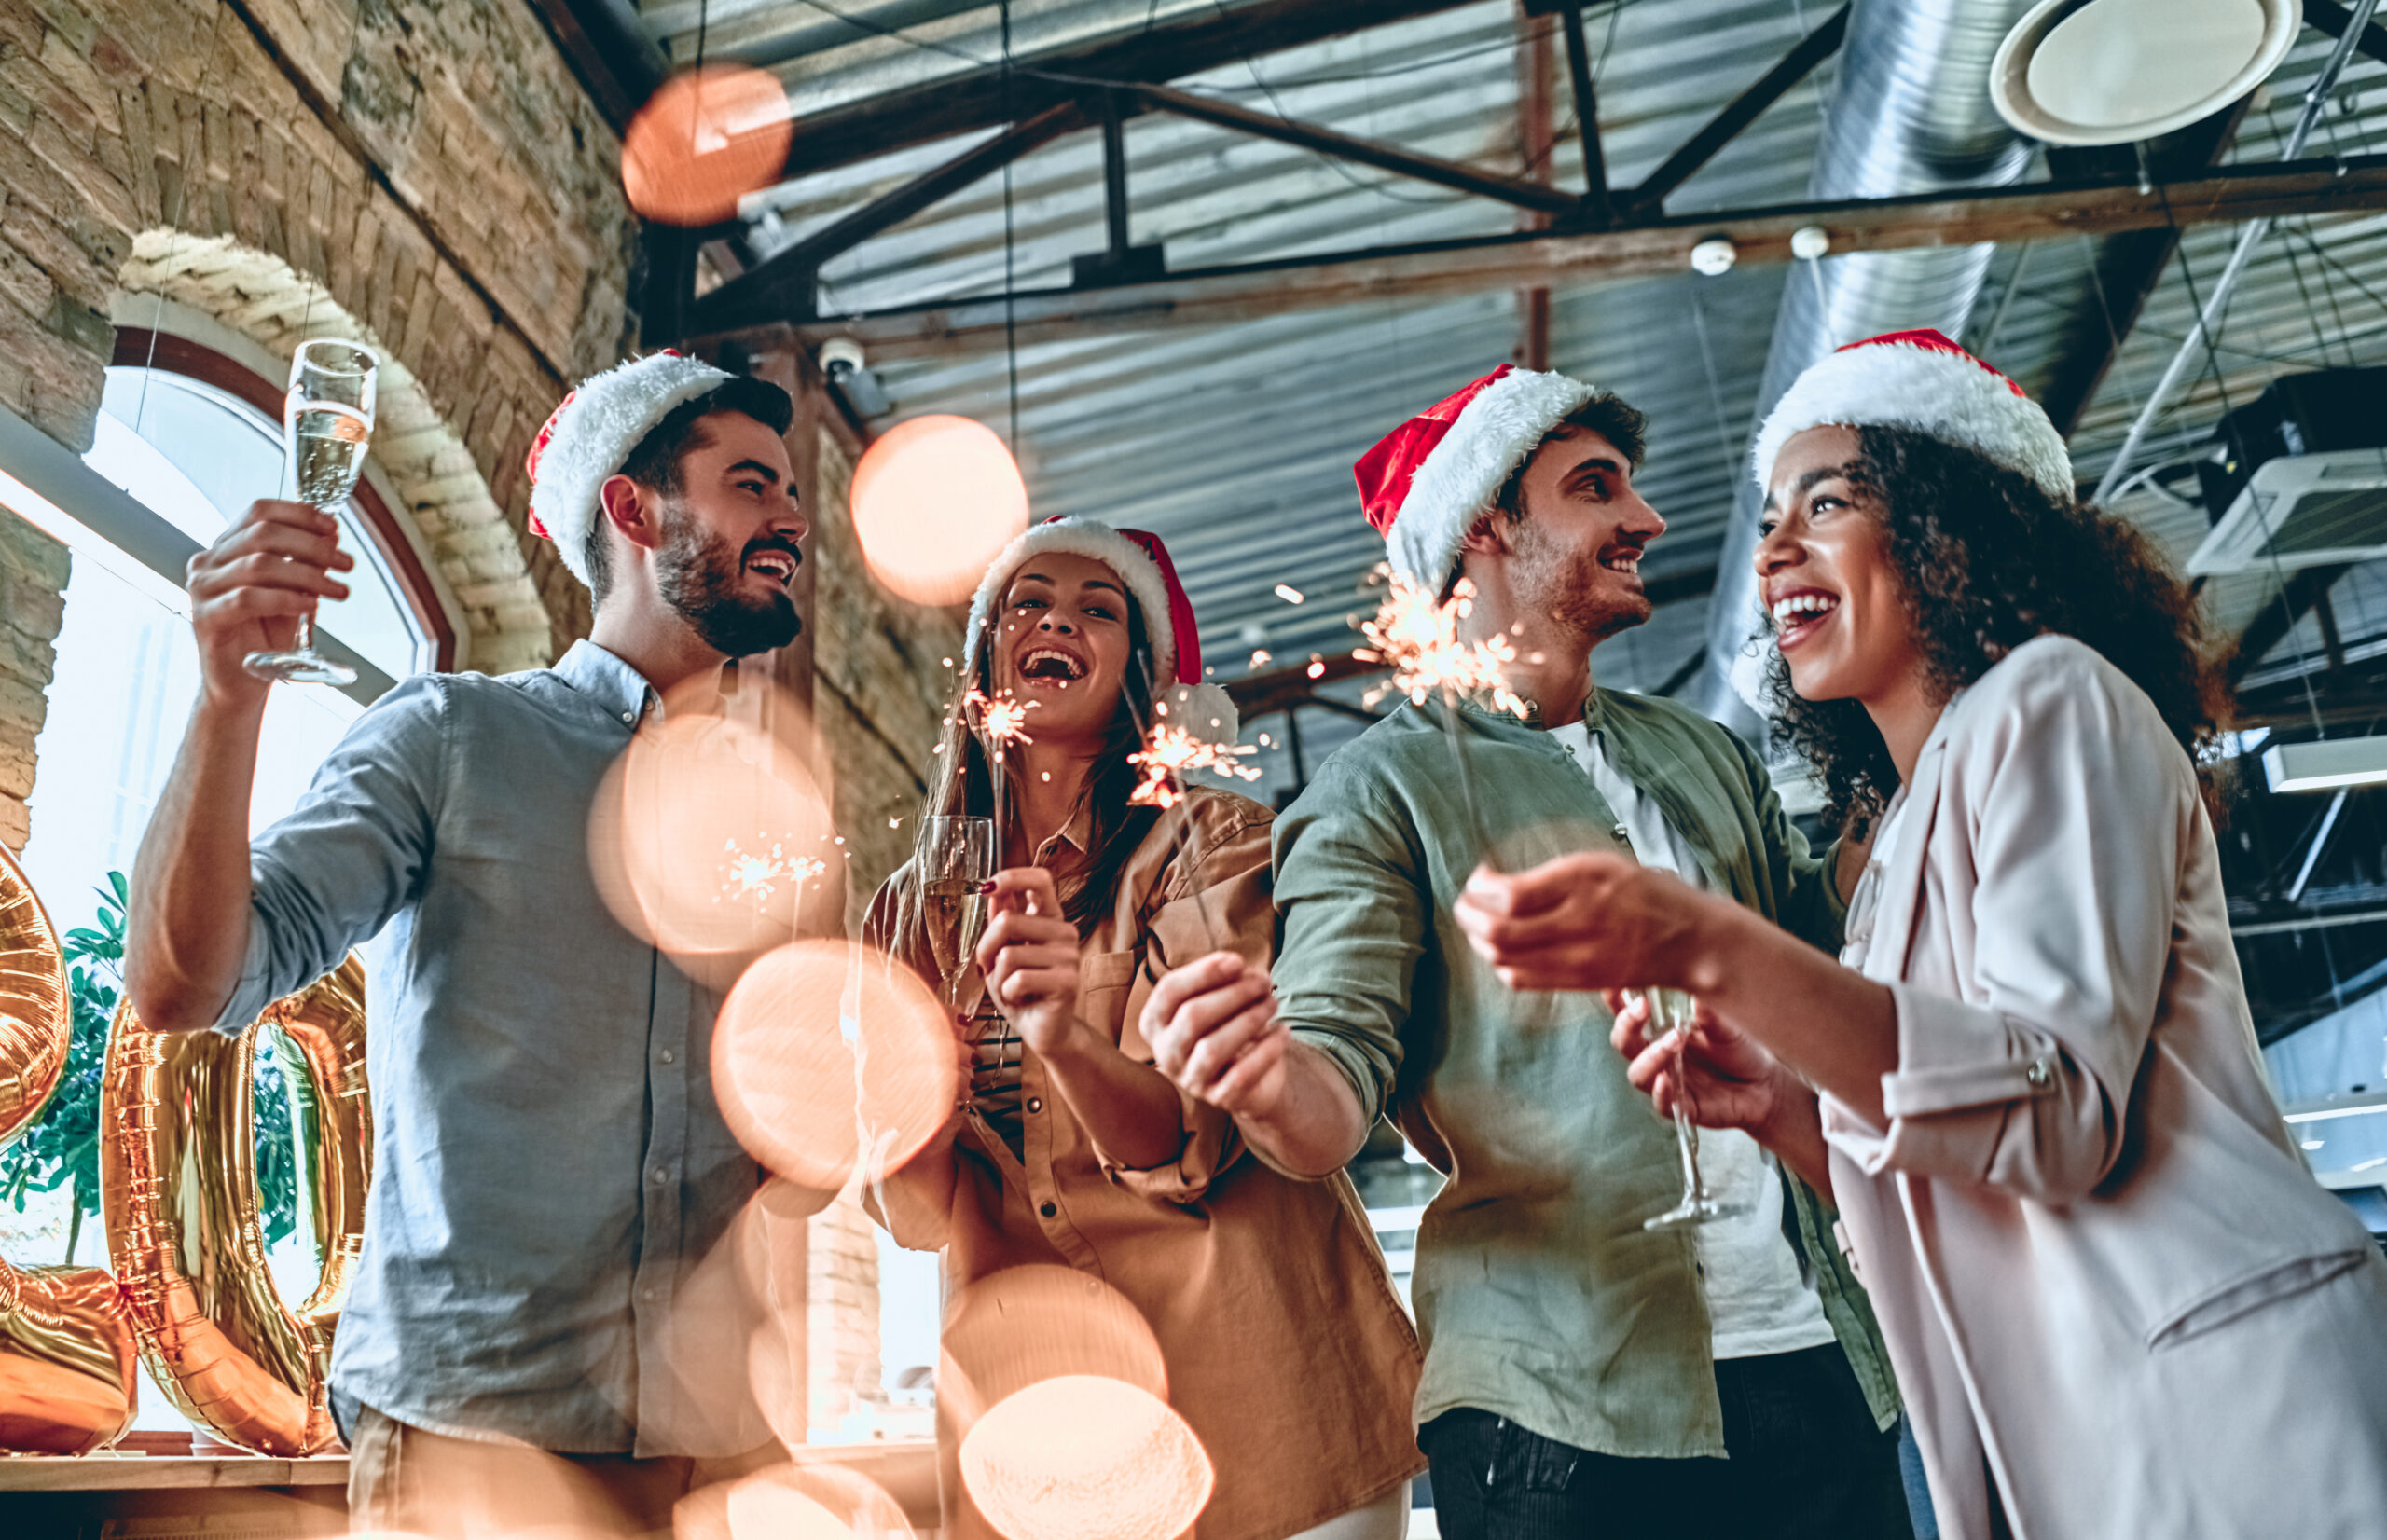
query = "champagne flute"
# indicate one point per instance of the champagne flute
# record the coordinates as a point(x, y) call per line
point(960, 866)
point(1672, 1010)
point(327, 422)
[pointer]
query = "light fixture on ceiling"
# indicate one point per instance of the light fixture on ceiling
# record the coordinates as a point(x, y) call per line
point(2326, 765)
point(2113, 72)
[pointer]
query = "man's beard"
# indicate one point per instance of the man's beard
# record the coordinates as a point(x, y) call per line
point(1575, 589)
point(699, 576)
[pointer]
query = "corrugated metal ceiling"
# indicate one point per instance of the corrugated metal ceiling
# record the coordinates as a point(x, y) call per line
point(1235, 441)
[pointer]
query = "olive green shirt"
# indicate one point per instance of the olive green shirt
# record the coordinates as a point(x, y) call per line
point(1538, 1296)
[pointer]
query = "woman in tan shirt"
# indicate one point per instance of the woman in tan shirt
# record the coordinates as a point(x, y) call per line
point(1286, 1348)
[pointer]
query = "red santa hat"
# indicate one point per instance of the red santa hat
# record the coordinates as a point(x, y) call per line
point(590, 434)
point(1923, 382)
point(1142, 564)
point(1432, 478)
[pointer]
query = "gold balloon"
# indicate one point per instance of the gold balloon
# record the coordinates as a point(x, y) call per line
point(67, 1384)
point(178, 1187)
point(34, 1024)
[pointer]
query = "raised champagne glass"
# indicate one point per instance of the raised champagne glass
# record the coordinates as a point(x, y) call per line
point(959, 869)
point(1671, 1011)
point(327, 424)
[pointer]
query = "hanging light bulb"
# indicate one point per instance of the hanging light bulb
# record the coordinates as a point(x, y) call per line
point(935, 500)
point(704, 140)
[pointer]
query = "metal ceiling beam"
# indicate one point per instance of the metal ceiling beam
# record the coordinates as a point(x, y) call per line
point(1366, 151)
point(616, 62)
point(1597, 205)
point(974, 98)
point(1744, 109)
point(2274, 620)
point(2329, 17)
point(1654, 248)
point(781, 288)
point(2126, 270)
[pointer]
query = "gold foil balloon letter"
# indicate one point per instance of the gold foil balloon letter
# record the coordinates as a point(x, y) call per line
point(178, 1183)
point(66, 1376)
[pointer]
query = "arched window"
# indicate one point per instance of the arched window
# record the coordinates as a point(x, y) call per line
point(194, 436)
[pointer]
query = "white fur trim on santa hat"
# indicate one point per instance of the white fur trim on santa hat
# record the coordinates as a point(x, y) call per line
point(1495, 433)
point(595, 432)
point(1096, 542)
point(1205, 711)
point(1926, 389)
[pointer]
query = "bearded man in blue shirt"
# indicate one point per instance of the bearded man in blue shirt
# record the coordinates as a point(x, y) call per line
point(550, 1161)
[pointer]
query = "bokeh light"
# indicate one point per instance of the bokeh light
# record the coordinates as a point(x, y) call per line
point(1054, 1386)
point(807, 1501)
point(709, 836)
point(935, 499)
point(704, 140)
point(1082, 1457)
point(829, 1057)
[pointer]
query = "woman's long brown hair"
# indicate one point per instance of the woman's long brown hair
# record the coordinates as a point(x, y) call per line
point(961, 783)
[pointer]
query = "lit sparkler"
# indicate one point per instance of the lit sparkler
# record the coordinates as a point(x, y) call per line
point(1418, 640)
point(1170, 753)
point(1003, 719)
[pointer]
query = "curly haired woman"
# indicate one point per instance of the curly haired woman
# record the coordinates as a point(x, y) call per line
point(2117, 1302)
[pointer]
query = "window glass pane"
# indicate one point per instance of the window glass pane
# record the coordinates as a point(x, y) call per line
point(197, 457)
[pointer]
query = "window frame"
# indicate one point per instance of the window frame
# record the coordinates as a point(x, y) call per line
point(139, 347)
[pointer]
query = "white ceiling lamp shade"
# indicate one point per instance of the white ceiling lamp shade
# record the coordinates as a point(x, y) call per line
point(2113, 72)
point(2326, 765)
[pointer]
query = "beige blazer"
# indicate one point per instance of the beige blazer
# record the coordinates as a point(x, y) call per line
point(2110, 1287)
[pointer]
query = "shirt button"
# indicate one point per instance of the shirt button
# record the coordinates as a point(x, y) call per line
point(2038, 1073)
point(669, 1056)
point(659, 1176)
point(629, 716)
point(647, 1294)
point(1035, 1104)
point(1047, 1210)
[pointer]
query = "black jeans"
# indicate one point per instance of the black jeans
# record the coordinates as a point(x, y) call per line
point(1807, 1464)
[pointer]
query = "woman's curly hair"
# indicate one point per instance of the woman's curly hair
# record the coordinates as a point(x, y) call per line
point(1988, 561)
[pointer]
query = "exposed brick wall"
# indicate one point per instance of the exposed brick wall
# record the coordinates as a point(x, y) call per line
point(431, 164)
point(841, 1312)
point(33, 575)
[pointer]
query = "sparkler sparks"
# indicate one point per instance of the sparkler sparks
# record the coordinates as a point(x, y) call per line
point(1171, 752)
point(1418, 640)
point(1002, 717)
point(756, 875)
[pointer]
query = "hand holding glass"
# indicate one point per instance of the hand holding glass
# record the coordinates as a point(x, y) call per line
point(327, 424)
point(1673, 1010)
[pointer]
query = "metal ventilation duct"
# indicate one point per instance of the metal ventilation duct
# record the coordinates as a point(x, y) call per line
point(1910, 113)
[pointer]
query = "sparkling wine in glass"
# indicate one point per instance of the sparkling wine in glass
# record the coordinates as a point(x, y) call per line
point(953, 889)
point(1671, 1011)
point(327, 425)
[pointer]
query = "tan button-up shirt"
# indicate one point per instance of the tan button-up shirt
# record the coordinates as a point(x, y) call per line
point(1287, 1349)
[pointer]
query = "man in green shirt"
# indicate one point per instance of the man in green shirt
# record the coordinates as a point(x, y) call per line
point(1582, 1374)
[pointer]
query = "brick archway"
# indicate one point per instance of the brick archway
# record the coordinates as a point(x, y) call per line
point(259, 296)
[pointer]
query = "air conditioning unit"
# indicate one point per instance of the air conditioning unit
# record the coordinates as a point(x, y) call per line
point(2322, 510)
point(2297, 477)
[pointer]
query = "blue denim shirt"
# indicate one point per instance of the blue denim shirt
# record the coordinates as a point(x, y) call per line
point(549, 1159)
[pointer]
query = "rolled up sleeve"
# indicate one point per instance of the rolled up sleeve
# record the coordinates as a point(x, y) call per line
point(1353, 930)
point(1223, 904)
point(333, 873)
point(2075, 795)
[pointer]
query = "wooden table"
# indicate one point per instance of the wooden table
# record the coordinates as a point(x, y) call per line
point(159, 1497)
point(183, 1497)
